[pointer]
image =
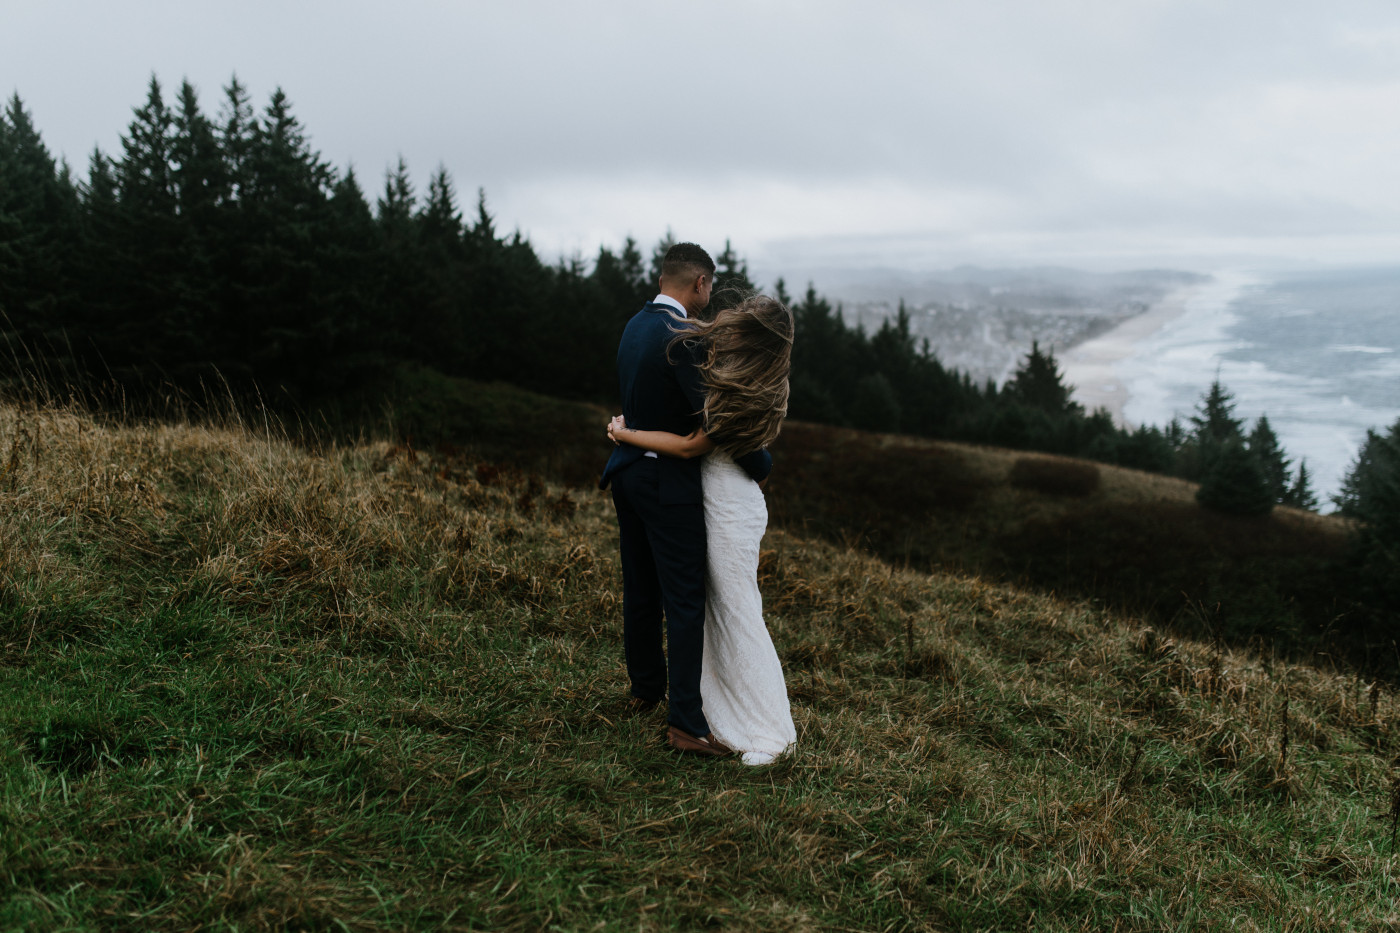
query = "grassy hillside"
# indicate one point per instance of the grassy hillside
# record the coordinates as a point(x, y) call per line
point(1136, 542)
point(244, 686)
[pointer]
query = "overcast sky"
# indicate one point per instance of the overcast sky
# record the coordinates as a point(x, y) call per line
point(910, 134)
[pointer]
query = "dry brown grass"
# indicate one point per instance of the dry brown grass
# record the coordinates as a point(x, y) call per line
point(380, 688)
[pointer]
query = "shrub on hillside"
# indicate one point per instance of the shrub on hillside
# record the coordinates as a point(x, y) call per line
point(1055, 477)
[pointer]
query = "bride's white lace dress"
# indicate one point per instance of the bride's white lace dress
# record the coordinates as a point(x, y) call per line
point(741, 679)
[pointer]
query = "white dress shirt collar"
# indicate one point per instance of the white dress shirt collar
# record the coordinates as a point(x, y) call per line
point(670, 302)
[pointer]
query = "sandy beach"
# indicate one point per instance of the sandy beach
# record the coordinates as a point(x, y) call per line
point(1094, 367)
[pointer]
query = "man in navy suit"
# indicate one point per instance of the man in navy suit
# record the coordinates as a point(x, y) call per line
point(660, 510)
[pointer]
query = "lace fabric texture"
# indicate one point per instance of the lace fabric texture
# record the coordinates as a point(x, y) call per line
point(741, 680)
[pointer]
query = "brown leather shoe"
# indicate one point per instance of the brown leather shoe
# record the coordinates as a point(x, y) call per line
point(685, 742)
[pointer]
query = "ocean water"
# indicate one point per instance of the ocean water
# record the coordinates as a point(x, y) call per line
point(1318, 352)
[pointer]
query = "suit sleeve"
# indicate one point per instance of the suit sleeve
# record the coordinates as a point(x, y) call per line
point(757, 464)
point(688, 376)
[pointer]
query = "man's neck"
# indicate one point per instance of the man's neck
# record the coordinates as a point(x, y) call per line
point(671, 301)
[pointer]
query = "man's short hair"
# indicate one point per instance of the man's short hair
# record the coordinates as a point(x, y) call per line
point(686, 261)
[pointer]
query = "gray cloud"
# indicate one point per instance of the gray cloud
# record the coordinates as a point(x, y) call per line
point(957, 125)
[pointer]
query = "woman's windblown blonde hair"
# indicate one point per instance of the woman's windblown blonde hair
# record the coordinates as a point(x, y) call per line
point(746, 354)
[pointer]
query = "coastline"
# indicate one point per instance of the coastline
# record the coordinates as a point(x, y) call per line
point(1093, 367)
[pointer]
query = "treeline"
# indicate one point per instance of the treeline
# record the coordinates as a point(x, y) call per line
point(884, 382)
point(222, 251)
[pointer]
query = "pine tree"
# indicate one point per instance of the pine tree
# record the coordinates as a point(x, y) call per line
point(1371, 494)
point(1263, 445)
point(199, 173)
point(1212, 427)
point(291, 329)
point(440, 220)
point(156, 331)
point(732, 282)
point(199, 180)
point(99, 269)
point(1039, 384)
point(10, 232)
point(1214, 422)
point(437, 331)
point(658, 254)
point(1234, 483)
point(237, 135)
point(39, 225)
point(351, 260)
point(875, 404)
point(145, 172)
point(1175, 433)
point(781, 293)
point(622, 280)
point(1371, 488)
point(397, 201)
point(1300, 494)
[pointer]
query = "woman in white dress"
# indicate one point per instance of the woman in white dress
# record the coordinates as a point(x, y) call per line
point(745, 359)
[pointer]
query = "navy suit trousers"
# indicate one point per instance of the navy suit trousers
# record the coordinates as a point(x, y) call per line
point(663, 573)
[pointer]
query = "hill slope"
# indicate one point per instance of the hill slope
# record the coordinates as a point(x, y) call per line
point(1137, 542)
point(244, 686)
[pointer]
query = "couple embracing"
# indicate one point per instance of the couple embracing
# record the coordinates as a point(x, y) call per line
point(701, 400)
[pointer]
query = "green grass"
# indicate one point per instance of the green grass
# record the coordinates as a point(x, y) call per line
point(248, 687)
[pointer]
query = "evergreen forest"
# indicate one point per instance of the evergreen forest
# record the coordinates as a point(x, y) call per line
point(218, 253)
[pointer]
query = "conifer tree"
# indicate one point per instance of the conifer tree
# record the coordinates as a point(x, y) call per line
point(198, 179)
point(198, 170)
point(1213, 425)
point(1370, 494)
point(39, 222)
point(351, 256)
point(1214, 422)
point(622, 280)
point(156, 330)
point(892, 348)
point(10, 228)
point(1300, 494)
point(397, 201)
point(238, 131)
point(658, 254)
point(1234, 483)
point(781, 293)
point(291, 330)
point(440, 220)
point(1175, 433)
point(99, 269)
point(1263, 445)
point(875, 404)
point(145, 176)
point(732, 283)
point(436, 327)
point(1039, 384)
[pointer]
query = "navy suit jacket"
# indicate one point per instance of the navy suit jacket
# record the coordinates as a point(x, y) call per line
point(660, 394)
